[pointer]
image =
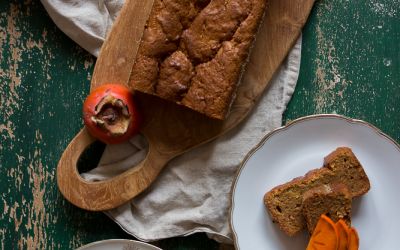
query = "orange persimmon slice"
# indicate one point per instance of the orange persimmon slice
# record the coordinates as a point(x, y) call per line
point(353, 243)
point(325, 235)
point(344, 233)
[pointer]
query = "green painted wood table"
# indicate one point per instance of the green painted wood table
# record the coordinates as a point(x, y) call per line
point(350, 65)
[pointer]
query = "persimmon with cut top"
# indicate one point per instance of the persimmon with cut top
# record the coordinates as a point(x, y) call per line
point(110, 114)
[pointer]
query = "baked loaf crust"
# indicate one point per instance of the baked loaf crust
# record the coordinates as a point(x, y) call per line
point(284, 202)
point(193, 51)
point(333, 200)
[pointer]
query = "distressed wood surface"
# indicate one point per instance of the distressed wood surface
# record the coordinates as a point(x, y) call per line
point(350, 66)
point(351, 63)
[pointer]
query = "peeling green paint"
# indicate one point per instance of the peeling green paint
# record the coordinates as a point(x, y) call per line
point(350, 65)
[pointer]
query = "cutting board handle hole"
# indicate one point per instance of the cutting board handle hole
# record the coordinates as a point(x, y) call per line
point(90, 158)
point(124, 157)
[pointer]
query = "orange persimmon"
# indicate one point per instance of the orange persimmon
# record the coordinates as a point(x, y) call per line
point(110, 114)
point(325, 235)
point(353, 243)
point(343, 232)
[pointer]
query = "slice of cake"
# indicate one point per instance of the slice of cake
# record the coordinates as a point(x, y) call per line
point(284, 202)
point(332, 200)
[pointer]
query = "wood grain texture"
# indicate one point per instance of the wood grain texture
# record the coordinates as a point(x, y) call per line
point(170, 129)
point(44, 78)
point(118, 54)
point(113, 66)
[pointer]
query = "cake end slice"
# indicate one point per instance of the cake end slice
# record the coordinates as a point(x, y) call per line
point(332, 200)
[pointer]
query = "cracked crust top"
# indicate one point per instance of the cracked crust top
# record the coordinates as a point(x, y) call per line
point(193, 51)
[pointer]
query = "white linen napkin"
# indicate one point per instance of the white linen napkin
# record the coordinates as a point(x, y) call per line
point(192, 194)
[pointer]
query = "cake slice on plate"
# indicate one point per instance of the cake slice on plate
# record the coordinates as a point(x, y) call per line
point(285, 202)
point(332, 200)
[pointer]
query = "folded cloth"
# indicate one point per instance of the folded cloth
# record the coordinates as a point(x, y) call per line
point(192, 193)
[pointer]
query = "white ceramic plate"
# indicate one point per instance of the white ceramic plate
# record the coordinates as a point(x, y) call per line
point(293, 150)
point(118, 244)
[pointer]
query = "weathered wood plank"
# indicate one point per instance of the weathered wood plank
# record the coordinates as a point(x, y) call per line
point(350, 65)
point(44, 77)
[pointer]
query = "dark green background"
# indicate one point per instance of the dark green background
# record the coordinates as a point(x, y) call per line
point(350, 66)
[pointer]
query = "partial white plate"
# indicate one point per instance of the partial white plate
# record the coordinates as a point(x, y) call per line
point(118, 244)
point(293, 150)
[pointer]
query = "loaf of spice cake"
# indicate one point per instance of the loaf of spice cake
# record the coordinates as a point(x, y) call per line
point(285, 202)
point(332, 200)
point(193, 52)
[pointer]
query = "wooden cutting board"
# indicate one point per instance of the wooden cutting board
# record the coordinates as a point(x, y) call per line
point(171, 129)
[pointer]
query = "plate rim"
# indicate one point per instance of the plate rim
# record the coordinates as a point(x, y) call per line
point(116, 240)
point(283, 128)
